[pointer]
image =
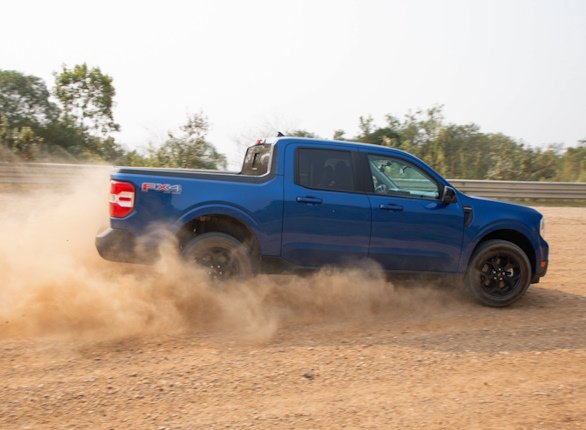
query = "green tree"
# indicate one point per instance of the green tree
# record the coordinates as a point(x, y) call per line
point(366, 124)
point(467, 152)
point(87, 120)
point(339, 135)
point(87, 97)
point(24, 100)
point(506, 157)
point(20, 141)
point(462, 151)
point(300, 133)
point(573, 164)
point(25, 114)
point(189, 149)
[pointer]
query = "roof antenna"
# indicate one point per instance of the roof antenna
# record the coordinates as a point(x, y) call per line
point(279, 134)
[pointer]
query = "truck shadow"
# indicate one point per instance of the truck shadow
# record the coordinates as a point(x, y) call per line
point(545, 319)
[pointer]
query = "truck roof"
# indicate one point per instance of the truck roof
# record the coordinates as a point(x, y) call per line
point(326, 142)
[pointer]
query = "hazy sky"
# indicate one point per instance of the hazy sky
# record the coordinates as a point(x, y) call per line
point(515, 66)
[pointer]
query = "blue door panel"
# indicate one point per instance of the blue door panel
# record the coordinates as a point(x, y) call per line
point(335, 231)
point(417, 235)
point(321, 226)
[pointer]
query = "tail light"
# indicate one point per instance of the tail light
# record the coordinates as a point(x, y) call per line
point(121, 199)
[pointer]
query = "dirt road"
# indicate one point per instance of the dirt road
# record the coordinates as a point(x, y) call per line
point(403, 358)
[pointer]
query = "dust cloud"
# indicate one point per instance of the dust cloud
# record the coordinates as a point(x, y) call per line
point(54, 283)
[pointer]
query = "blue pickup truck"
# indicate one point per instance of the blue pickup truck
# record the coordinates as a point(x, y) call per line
point(300, 204)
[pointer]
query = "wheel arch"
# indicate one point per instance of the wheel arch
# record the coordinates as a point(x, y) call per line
point(220, 220)
point(510, 235)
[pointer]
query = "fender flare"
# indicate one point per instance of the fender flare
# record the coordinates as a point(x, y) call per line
point(514, 225)
point(220, 208)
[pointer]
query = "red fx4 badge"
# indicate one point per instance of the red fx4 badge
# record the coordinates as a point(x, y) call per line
point(164, 188)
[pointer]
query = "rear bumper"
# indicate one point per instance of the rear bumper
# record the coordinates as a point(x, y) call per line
point(118, 245)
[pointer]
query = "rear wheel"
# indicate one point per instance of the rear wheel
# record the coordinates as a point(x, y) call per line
point(498, 274)
point(223, 256)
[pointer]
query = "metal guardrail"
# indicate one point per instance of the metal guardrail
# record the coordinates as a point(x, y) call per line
point(55, 174)
point(44, 173)
point(522, 189)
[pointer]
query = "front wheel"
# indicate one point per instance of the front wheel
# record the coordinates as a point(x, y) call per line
point(223, 256)
point(498, 274)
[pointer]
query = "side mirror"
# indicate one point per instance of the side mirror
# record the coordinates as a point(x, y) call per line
point(448, 195)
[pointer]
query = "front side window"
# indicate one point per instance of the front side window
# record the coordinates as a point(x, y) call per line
point(395, 177)
point(325, 169)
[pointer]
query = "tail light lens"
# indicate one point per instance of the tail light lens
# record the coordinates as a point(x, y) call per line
point(121, 199)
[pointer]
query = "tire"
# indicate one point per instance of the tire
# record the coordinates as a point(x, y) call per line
point(224, 256)
point(498, 274)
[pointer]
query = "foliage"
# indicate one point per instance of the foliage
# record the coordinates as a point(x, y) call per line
point(21, 141)
point(79, 126)
point(33, 127)
point(189, 149)
point(339, 135)
point(463, 151)
point(573, 164)
point(300, 133)
point(76, 123)
point(24, 100)
point(87, 97)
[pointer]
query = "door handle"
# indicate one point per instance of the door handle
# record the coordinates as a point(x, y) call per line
point(312, 200)
point(390, 207)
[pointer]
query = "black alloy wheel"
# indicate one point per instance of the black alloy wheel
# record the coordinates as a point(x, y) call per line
point(223, 256)
point(499, 273)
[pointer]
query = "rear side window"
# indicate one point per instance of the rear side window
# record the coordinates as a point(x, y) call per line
point(325, 169)
point(257, 160)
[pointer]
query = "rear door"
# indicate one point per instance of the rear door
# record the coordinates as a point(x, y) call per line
point(412, 230)
point(325, 221)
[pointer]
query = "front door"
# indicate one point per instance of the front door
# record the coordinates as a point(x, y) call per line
point(412, 230)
